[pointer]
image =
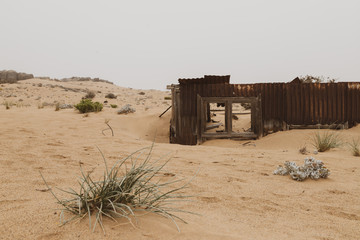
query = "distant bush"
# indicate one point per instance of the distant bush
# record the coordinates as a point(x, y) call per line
point(89, 95)
point(113, 105)
point(246, 106)
point(110, 95)
point(326, 141)
point(7, 105)
point(167, 97)
point(41, 105)
point(57, 107)
point(316, 79)
point(87, 105)
point(126, 109)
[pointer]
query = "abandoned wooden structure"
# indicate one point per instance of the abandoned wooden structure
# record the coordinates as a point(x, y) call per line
point(274, 106)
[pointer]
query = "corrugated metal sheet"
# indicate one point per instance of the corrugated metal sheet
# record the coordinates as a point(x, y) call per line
point(282, 103)
point(207, 79)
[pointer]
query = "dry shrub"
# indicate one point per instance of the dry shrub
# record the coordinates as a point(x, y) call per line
point(110, 95)
point(57, 106)
point(303, 150)
point(89, 95)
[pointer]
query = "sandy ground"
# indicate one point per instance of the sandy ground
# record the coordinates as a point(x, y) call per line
point(236, 194)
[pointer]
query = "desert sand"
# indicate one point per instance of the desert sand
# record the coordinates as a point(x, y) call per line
point(235, 192)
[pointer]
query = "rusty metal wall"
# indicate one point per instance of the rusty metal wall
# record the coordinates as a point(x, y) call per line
point(290, 103)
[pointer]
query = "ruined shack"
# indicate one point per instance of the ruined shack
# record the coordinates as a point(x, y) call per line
point(271, 107)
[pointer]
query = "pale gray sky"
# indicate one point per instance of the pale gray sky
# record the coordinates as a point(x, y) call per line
point(152, 43)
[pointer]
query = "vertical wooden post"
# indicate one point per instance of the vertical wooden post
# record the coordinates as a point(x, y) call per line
point(199, 112)
point(259, 117)
point(228, 117)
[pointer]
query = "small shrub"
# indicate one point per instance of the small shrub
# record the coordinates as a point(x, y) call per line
point(167, 97)
point(355, 147)
point(326, 141)
point(89, 95)
point(7, 105)
point(303, 150)
point(87, 105)
point(126, 109)
point(110, 95)
point(123, 191)
point(113, 105)
point(40, 105)
point(57, 106)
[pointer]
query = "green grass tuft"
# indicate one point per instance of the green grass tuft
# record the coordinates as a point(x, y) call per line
point(326, 141)
point(123, 192)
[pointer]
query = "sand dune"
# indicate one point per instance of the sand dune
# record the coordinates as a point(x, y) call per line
point(236, 194)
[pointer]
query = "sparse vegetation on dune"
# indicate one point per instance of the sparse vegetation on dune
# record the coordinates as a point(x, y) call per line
point(124, 192)
point(326, 141)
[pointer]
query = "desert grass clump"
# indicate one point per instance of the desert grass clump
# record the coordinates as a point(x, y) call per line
point(354, 146)
point(87, 105)
point(89, 95)
point(124, 191)
point(326, 141)
point(113, 105)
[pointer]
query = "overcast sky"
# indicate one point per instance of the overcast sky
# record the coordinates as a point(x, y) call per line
point(151, 43)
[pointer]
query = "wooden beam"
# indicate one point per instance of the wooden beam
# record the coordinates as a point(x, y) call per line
point(212, 126)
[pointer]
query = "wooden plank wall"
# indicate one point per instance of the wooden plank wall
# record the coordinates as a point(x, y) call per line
point(290, 103)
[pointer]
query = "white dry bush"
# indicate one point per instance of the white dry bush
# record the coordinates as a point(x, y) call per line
point(312, 168)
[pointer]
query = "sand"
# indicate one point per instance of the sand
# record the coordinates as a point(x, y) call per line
point(235, 193)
